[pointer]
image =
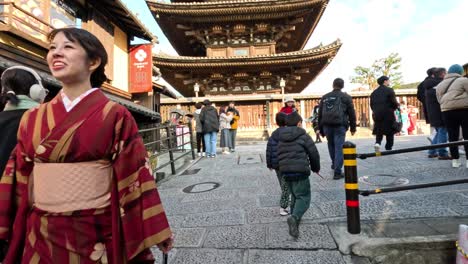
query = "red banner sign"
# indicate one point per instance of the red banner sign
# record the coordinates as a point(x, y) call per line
point(141, 69)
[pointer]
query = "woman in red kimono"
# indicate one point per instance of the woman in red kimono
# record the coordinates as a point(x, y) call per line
point(77, 188)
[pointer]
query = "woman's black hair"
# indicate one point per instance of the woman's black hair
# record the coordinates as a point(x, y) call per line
point(222, 110)
point(15, 82)
point(93, 47)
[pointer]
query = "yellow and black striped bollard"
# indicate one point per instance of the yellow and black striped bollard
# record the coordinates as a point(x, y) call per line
point(352, 188)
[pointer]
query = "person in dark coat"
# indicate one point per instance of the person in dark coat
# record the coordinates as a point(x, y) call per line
point(19, 84)
point(333, 123)
point(421, 94)
point(210, 127)
point(297, 156)
point(435, 115)
point(383, 104)
point(273, 164)
point(315, 124)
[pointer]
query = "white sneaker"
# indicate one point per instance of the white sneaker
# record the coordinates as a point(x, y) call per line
point(284, 211)
point(199, 154)
point(377, 147)
point(203, 154)
point(226, 152)
point(456, 163)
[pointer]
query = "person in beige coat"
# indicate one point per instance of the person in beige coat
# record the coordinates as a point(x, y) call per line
point(452, 94)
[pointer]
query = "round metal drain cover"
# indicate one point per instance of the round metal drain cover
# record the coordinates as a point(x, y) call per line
point(201, 187)
point(383, 180)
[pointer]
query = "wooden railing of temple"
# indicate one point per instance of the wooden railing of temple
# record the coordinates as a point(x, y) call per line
point(260, 114)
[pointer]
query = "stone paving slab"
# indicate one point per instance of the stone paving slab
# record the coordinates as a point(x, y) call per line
point(461, 210)
point(222, 218)
point(206, 256)
point(236, 237)
point(188, 237)
point(448, 226)
point(181, 208)
point(311, 236)
point(369, 206)
point(294, 257)
point(215, 195)
point(429, 200)
point(274, 200)
point(427, 212)
point(405, 228)
point(271, 215)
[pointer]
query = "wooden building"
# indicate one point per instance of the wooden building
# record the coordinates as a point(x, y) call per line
point(25, 24)
point(240, 48)
point(258, 111)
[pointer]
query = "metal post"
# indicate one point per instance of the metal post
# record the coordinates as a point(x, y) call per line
point(191, 138)
point(351, 187)
point(169, 144)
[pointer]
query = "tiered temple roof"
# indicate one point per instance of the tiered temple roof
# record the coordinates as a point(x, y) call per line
point(241, 46)
point(246, 74)
point(191, 26)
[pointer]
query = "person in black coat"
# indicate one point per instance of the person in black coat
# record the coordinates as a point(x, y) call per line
point(209, 119)
point(16, 83)
point(383, 104)
point(435, 114)
point(297, 156)
point(421, 95)
point(273, 163)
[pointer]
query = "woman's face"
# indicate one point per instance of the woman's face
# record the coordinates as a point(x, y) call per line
point(68, 60)
point(290, 104)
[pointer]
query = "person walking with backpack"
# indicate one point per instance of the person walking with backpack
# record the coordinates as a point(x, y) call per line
point(452, 94)
point(336, 116)
point(383, 104)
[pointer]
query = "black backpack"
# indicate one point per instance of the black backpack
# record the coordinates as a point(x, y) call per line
point(332, 111)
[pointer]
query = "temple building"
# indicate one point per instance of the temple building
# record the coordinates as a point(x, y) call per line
point(236, 49)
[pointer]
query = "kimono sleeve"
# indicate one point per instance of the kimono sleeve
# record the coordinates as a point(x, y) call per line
point(144, 221)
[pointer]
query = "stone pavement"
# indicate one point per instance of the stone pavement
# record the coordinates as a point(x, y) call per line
point(232, 215)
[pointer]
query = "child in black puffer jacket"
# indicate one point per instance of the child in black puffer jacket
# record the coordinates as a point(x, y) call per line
point(297, 156)
point(272, 162)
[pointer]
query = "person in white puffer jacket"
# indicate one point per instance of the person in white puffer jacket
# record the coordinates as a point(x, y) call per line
point(452, 94)
point(224, 126)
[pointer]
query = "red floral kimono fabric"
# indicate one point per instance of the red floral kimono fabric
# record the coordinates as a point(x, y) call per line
point(94, 129)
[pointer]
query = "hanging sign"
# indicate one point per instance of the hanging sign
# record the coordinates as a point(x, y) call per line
point(141, 69)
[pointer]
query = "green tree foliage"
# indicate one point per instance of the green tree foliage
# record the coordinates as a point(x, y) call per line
point(388, 66)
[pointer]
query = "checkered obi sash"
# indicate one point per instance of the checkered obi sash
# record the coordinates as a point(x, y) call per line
point(68, 187)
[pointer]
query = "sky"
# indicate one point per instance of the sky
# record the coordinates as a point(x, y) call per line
point(426, 33)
